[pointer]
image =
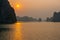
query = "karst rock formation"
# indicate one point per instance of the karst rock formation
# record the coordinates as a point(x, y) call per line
point(7, 13)
point(56, 17)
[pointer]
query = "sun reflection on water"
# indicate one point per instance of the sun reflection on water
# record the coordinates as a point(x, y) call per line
point(17, 31)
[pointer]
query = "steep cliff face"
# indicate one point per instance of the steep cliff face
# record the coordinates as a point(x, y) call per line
point(7, 13)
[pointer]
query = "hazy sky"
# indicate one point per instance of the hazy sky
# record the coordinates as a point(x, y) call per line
point(36, 8)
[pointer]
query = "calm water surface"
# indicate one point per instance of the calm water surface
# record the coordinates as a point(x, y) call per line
point(30, 31)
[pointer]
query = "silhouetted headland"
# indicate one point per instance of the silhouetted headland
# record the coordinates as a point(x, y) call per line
point(7, 13)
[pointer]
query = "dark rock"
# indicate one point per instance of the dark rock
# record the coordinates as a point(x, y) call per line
point(7, 13)
point(56, 17)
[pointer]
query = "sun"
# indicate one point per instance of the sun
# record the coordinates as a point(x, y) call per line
point(18, 6)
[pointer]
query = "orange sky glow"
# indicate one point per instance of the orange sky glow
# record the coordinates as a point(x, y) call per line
point(35, 8)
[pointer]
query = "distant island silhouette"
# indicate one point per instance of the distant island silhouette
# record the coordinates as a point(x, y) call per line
point(28, 19)
point(7, 13)
point(54, 18)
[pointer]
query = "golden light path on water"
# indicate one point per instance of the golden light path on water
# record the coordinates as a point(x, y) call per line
point(17, 31)
point(30, 31)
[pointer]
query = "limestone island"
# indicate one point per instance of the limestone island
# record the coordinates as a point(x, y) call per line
point(7, 13)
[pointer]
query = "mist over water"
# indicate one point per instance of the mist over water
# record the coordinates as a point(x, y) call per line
point(30, 31)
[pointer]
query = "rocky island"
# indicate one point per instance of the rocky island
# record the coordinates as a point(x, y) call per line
point(7, 13)
point(56, 17)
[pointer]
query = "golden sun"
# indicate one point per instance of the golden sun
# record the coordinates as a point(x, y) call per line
point(18, 6)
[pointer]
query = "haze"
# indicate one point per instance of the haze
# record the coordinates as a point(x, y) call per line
point(36, 8)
